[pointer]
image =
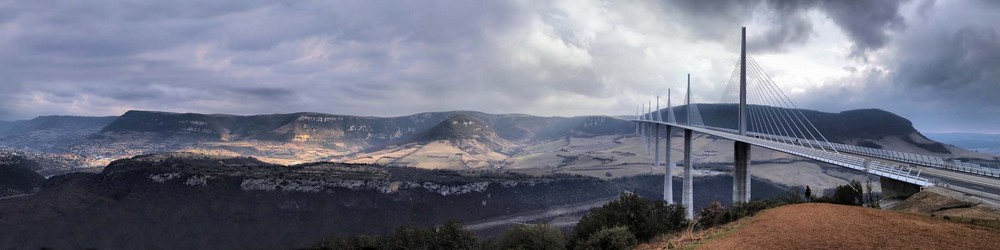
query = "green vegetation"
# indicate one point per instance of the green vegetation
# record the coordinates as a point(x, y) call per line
point(449, 236)
point(540, 237)
point(716, 214)
point(620, 224)
point(610, 238)
point(853, 194)
point(643, 219)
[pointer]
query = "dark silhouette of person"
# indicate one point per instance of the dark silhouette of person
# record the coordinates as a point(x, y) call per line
point(808, 194)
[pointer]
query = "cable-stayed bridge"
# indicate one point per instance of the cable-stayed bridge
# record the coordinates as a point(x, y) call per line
point(753, 111)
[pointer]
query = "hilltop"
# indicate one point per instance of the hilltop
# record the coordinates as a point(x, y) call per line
point(873, 128)
point(598, 146)
point(820, 225)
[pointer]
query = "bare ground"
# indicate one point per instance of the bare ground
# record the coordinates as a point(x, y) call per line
point(827, 226)
point(836, 226)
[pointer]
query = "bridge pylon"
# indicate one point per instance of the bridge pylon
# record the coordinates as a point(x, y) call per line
point(741, 159)
point(656, 132)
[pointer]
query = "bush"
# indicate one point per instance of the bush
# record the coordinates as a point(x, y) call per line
point(716, 214)
point(850, 194)
point(713, 214)
point(643, 218)
point(362, 242)
point(410, 238)
point(449, 236)
point(532, 237)
point(610, 238)
point(453, 236)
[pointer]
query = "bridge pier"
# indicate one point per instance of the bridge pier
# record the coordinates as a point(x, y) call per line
point(656, 148)
point(668, 176)
point(892, 188)
point(687, 197)
point(741, 173)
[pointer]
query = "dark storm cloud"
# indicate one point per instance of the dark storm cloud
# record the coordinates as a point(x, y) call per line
point(791, 25)
point(867, 23)
point(947, 66)
point(957, 71)
point(80, 57)
point(941, 72)
point(549, 58)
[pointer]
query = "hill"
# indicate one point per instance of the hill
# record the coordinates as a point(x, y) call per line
point(590, 145)
point(191, 201)
point(817, 225)
point(17, 175)
point(874, 128)
point(51, 133)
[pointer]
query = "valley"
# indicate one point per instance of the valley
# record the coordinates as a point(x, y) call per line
point(225, 181)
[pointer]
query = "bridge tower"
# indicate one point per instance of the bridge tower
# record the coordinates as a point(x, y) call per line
point(687, 195)
point(656, 132)
point(741, 171)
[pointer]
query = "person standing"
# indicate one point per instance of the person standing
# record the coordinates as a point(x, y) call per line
point(808, 194)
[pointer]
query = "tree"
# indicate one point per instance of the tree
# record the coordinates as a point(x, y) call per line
point(410, 238)
point(362, 242)
point(537, 237)
point(453, 236)
point(643, 218)
point(610, 238)
point(871, 198)
point(712, 214)
point(850, 194)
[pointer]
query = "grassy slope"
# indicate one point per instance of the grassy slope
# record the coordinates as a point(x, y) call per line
point(815, 225)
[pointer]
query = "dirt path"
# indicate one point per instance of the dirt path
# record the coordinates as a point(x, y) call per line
point(825, 226)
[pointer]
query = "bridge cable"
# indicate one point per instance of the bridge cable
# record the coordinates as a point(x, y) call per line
point(787, 119)
point(792, 105)
point(794, 118)
point(803, 115)
point(727, 94)
point(783, 117)
point(768, 113)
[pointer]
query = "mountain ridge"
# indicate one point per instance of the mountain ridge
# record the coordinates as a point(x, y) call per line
point(428, 137)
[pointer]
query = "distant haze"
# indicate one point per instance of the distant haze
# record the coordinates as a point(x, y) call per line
point(933, 62)
point(987, 143)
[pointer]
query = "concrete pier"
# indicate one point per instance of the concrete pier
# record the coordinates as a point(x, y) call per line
point(668, 180)
point(688, 193)
point(741, 173)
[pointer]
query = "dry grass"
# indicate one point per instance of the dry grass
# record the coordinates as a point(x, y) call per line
point(812, 225)
point(691, 238)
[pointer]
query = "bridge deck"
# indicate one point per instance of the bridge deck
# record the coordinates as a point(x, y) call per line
point(928, 170)
point(853, 162)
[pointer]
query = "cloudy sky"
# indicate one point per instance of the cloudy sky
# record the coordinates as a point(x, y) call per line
point(936, 63)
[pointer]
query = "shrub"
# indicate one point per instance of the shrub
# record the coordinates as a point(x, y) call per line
point(610, 238)
point(793, 196)
point(409, 238)
point(669, 217)
point(713, 214)
point(643, 218)
point(850, 194)
point(362, 242)
point(449, 236)
point(453, 236)
point(532, 237)
point(716, 214)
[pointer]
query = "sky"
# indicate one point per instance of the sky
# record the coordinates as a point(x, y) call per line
point(933, 62)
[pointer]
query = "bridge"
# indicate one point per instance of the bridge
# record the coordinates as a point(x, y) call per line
point(765, 117)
